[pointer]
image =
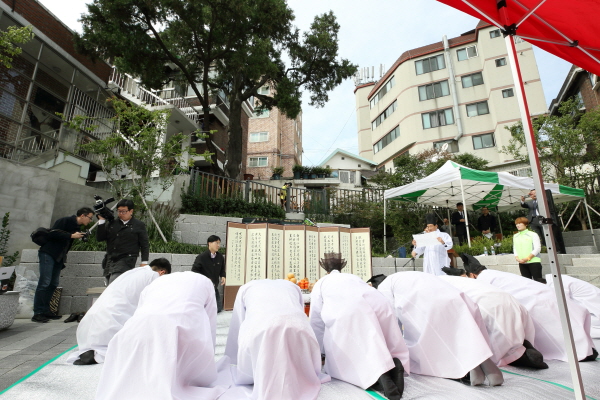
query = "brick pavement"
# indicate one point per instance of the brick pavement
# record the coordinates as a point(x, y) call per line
point(27, 345)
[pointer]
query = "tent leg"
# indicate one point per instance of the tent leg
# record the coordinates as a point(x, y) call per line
point(462, 192)
point(384, 231)
point(587, 211)
point(500, 225)
point(449, 224)
point(572, 215)
point(543, 208)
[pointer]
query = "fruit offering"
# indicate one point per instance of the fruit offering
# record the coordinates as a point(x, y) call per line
point(291, 277)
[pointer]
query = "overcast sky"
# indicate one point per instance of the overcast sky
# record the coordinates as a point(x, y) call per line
point(372, 32)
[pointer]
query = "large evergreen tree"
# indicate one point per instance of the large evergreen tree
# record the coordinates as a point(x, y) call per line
point(212, 45)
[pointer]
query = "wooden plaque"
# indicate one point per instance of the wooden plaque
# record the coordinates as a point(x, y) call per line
point(294, 250)
point(236, 254)
point(256, 252)
point(275, 252)
point(312, 253)
point(361, 253)
point(329, 242)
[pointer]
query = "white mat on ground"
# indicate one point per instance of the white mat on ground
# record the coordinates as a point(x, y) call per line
point(61, 381)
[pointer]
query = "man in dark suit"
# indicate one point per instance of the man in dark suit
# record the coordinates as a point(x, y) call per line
point(53, 256)
point(458, 220)
point(211, 264)
point(486, 223)
point(125, 237)
point(534, 223)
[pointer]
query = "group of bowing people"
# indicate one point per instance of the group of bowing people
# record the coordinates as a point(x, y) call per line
point(156, 337)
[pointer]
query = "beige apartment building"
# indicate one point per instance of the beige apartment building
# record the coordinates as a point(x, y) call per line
point(458, 92)
point(274, 140)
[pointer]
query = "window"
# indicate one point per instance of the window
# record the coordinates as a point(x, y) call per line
point(382, 92)
point(261, 113)
point(433, 90)
point(263, 90)
point(437, 118)
point(500, 62)
point(381, 117)
point(387, 139)
point(476, 109)
point(483, 141)
point(259, 161)
point(430, 64)
point(472, 80)
point(466, 53)
point(508, 93)
point(495, 33)
point(452, 145)
point(259, 137)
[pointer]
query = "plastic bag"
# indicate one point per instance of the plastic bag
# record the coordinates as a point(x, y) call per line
point(26, 283)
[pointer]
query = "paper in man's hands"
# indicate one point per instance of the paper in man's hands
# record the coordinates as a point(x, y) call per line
point(426, 239)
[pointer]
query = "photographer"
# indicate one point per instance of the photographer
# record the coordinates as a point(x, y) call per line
point(52, 256)
point(125, 237)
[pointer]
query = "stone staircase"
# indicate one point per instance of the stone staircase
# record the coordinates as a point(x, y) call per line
point(581, 242)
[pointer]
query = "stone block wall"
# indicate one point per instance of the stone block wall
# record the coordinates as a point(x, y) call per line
point(195, 229)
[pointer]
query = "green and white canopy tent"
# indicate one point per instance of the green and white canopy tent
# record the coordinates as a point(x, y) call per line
point(454, 183)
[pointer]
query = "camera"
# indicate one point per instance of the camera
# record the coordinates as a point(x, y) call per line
point(86, 235)
point(101, 209)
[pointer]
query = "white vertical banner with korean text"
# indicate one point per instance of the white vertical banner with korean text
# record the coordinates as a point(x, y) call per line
point(329, 242)
point(275, 252)
point(312, 253)
point(294, 250)
point(256, 252)
point(236, 254)
point(361, 253)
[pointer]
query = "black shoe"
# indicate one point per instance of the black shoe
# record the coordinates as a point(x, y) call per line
point(52, 316)
point(86, 358)
point(388, 382)
point(591, 357)
point(72, 317)
point(39, 318)
point(465, 380)
point(531, 358)
point(80, 317)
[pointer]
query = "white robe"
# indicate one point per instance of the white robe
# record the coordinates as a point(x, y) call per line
point(356, 329)
point(109, 313)
point(540, 302)
point(507, 322)
point(436, 257)
point(443, 329)
point(585, 294)
point(166, 350)
point(272, 343)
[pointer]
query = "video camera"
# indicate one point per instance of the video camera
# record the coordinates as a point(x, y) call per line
point(101, 209)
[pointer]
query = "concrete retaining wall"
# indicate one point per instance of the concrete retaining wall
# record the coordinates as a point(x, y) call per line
point(195, 229)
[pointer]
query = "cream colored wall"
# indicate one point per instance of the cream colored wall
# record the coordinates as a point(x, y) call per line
point(348, 163)
point(365, 145)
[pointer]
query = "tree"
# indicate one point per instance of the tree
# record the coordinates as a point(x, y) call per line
point(9, 40)
point(137, 151)
point(219, 45)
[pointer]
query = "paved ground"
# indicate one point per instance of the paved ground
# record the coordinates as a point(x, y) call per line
point(27, 345)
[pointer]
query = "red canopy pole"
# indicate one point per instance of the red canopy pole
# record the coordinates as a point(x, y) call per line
point(538, 182)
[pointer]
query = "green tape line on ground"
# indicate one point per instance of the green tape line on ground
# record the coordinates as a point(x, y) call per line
point(37, 370)
point(375, 395)
point(550, 382)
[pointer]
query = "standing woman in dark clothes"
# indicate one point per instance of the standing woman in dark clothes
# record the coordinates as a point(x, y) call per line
point(211, 264)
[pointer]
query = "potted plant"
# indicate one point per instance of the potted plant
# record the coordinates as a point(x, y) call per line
point(297, 169)
point(327, 172)
point(320, 171)
point(305, 172)
point(313, 173)
point(277, 172)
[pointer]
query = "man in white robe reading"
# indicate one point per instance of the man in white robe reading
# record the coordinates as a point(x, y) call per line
point(113, 308)
point(443, 328)
point(585, 294)
point(357, 331)
point(435, 257)
point(540, 302)
point(271, 342)
point(507, 322)
point(166, 350)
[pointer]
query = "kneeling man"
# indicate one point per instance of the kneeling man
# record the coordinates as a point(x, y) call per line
point(272, 342)
point(113, 308)
point(357, 331)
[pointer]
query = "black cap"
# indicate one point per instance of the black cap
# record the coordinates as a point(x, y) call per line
point(472, 265)
point(376, 280)
point(431, 219)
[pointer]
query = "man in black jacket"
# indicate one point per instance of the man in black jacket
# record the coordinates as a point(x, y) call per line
point(125, 237)
point(53, 256)
point(486, 223)
point(211, 264)
point(458, 220)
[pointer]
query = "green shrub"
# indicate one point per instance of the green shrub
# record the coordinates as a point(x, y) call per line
point(479, 242)
point(232, 207)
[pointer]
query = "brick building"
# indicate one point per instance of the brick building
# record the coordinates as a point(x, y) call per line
point(274, 140)
point(582, 84)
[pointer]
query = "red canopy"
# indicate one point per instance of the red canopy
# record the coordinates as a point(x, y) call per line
point(565, 28)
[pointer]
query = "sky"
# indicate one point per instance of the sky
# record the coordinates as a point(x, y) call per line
point(371, 33)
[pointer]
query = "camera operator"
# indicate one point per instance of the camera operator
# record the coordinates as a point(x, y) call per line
point(125, 237)
point(52, 256)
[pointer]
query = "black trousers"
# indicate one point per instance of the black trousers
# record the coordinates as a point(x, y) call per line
point(558, 237)
point(218, 297)
point(531, 271)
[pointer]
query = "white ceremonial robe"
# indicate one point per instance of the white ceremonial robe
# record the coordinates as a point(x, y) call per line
point(540, 302)
point(436, 257)
point(109, 313)
point(166, 350)
point(443, 329)
point(585, 294)
point(272, 343)
point(356, 329)
point(507, 322)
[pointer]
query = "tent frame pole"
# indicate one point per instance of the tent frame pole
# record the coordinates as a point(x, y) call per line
point(543, 208)
point(384, 230)
point(449, 223)
point(572, 215)
point(587, 211)
point(462, 192)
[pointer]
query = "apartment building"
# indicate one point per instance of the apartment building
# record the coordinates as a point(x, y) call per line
point(274, 140)
point(457, 94)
